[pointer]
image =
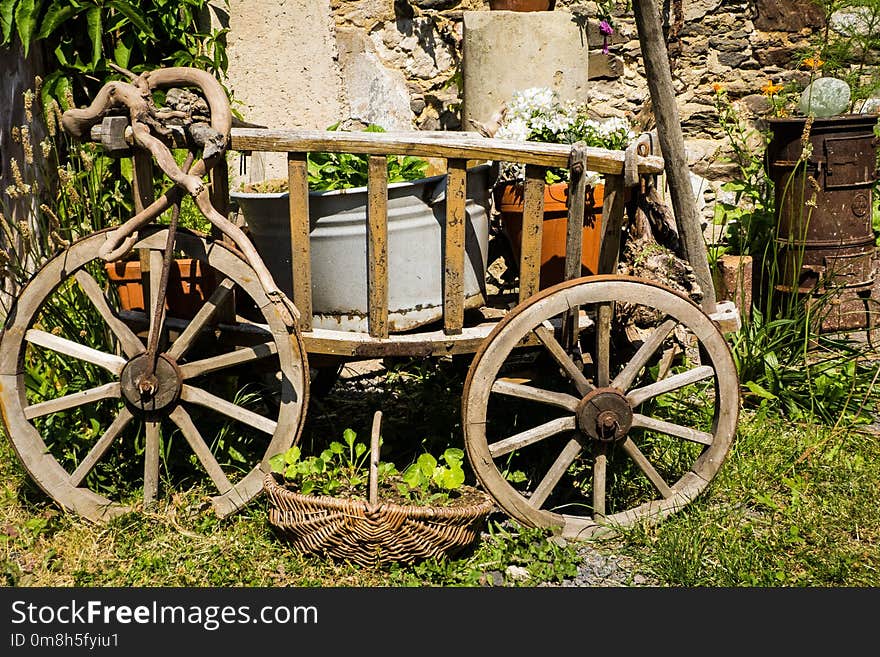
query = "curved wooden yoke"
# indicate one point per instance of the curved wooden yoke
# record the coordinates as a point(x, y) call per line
point(457, 149)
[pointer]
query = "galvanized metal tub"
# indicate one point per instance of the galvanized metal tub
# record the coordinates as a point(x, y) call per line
point(338, 242)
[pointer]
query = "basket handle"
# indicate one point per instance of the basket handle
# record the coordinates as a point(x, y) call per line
point(373, 497)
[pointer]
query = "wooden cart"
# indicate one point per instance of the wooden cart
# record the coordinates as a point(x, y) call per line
point(595, 403)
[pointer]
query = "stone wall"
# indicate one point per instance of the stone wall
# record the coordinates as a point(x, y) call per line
point(398, 62)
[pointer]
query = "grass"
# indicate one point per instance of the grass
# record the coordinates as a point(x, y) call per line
point(793, 506)
point(182, 543)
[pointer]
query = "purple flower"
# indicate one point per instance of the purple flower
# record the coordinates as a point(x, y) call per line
point(606, 30)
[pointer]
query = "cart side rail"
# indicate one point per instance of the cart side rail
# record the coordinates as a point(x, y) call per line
point(457, 149)
point(438, 144)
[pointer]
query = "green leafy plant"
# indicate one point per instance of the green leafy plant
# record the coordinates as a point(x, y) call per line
point(81, 39)
point(344, 170)
point(329, 171)
point(342, 470)
point(422, 478)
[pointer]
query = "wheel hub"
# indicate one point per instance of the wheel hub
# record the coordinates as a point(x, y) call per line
point(604, 415)
point(150, 393)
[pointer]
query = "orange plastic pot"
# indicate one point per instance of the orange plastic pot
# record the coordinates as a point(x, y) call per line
point(190, 283)
point(509, 200)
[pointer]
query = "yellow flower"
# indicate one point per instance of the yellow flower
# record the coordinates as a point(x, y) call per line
point(813, 63)
point(771, 89)
point(717, 87)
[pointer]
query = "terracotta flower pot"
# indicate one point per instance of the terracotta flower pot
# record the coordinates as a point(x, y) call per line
point(509, 200)
point(190, 283)
point(520, 5)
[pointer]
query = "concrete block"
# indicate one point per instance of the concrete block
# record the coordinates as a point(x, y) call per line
point(505, 51)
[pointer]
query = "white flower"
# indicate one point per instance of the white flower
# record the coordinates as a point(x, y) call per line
point(517, 129)
point(537, 114)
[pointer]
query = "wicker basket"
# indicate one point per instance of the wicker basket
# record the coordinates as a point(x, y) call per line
point(370, 533)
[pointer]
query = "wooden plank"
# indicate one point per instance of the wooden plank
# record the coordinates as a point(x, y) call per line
point(219, 190)
point(612, 225)
point(377, 246)
point(604, 313)
point(670, 429)
point(645, 466)
point(154, 312)
point(219, 194)
point(142, 179)
point(628, 374)
point(545, 335)
point(425, 144)
point(532, 232)
point(200, 320)
point(453, 254)
point(130, 344)
point(143, 196)
point(577, 192)
point(600, 479)
point(300, 250)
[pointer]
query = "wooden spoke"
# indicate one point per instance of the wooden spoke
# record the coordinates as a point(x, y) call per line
point(545, 335)
point(85, 466)
point(645, 466)
point(106, 391)
point(670, 429)
point(603, 345)
point(203, 398)
point(230, 359)
point(151, 464)
point(559, 399)
point(531, 436)
point(674, 382)
point(131, 344)
point(183, 420)
point(551, 479)
point(600, 470)
point(110, 362)
point(205, 314)
point(628, 374)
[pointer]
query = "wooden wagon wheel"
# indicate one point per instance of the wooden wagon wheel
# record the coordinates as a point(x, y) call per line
point(69, 364)
point(632, 428)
